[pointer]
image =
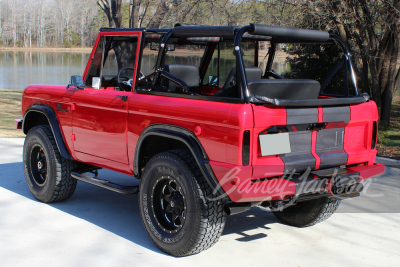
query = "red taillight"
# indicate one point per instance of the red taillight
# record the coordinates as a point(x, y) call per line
point(246, 148)
point(374, 134)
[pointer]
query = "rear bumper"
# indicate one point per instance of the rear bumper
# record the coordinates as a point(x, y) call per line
point(332, 181)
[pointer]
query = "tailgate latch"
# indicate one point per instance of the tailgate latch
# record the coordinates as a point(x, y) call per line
point(317, 126)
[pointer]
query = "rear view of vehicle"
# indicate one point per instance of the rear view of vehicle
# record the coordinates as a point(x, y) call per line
point(302, 144)
point(312, 143)
point(210, 134)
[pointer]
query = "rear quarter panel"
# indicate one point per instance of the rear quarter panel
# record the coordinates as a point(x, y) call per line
point(358, 133)
point(221, 123)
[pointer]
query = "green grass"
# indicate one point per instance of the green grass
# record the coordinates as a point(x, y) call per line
point(10, 109)
point(389, 137)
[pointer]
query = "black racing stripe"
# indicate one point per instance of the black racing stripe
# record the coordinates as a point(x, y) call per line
point(336, 114)
point(329, 146)
point(302, 115)
point(301, 157)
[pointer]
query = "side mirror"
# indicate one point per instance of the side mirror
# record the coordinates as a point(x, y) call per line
point(76, 81)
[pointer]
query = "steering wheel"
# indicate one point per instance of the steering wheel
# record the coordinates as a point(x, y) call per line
point(127, 83)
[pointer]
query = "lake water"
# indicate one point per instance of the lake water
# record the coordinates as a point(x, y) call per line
point(19, 69)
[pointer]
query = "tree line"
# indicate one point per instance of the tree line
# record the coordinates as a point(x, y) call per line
point(43, 23)
point(60, 23)
point(370, 27)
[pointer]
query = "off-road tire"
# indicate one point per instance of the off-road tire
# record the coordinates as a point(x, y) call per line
point(58, 185)
point(204, 218)
point(308, 213)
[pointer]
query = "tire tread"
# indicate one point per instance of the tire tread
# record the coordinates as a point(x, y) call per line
point(212, 220)
point(65, 185)
point(319, 210)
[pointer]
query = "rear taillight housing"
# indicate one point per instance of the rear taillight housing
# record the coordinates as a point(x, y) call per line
point(246, 148)
point(374, 134)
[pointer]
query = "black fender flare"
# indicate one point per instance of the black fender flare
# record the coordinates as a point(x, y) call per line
point(49, 113)
point(190, 140)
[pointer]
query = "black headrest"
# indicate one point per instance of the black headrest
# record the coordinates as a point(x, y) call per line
point(187, 73)
point(252, 73)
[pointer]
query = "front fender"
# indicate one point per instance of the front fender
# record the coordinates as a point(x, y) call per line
point(34, 116)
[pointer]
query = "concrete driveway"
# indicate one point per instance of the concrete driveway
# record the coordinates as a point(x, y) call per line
point(97, 227)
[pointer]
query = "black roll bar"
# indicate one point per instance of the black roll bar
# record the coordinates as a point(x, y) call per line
point(203, 31)
point(348, 58)
point(256, 29)
point(240, 72)
point(174, 79)
point(283, 32)
point(163, 46)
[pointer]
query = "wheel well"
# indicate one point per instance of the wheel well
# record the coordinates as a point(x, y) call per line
point(154, 144)
point(33, 119)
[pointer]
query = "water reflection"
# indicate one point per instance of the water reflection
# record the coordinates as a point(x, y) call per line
point(19, 69)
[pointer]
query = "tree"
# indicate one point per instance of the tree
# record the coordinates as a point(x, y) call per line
point(158, 17)
point(371, 29)
point(316, 62)
point(134, 14)
point(113, 12)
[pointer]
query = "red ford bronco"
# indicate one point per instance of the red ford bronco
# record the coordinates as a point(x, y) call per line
point(198, 114)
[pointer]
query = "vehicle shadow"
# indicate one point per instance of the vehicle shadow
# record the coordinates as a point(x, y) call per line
point(116, 213)
point(119, 214)
point(256, 219)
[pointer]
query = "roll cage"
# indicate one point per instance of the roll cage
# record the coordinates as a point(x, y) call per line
point(253, 32)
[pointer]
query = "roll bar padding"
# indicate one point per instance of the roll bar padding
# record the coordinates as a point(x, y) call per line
point(285, 32)
point(204, 31)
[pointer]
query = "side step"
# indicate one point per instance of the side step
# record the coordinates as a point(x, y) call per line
point(122, 189)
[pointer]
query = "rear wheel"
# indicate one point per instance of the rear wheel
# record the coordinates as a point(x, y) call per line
point(47, 173)
point(176, 206)
point(308, 213)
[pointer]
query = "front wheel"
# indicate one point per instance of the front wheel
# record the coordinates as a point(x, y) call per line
point(47, 173)
point(176, 205)
point(308, 213)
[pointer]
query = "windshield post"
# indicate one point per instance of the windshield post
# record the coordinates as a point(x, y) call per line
point(240, 71)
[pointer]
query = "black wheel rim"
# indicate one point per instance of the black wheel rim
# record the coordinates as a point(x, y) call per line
point(38, 165)
point(168, 204)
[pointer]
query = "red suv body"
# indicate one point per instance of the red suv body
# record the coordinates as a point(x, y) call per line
point(255, 137)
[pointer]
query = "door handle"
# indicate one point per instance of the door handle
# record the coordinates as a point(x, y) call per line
point(123, 97)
